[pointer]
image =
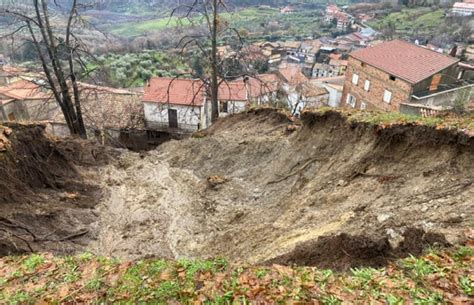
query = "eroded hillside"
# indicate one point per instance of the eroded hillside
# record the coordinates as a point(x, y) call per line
point(331, 193)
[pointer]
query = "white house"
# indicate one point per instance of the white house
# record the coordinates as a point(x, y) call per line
point(176, 104)
point(465, 8)
point(233, 98)
point(334, 86)
point(292, 80)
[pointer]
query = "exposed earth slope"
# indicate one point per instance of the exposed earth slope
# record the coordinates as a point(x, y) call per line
point(331, 193)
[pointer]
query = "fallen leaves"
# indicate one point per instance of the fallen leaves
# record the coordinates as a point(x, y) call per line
point(203, 282)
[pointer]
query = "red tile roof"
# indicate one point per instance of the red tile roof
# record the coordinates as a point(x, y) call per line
point(263, 84)
point(404, 60)
point(175, 91)
point(25, 90)
point(293, 75)
point(232, 91)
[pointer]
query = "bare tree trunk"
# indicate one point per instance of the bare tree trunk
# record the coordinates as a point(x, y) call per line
point(214, 63)
point(60, 76)
point(77, 100)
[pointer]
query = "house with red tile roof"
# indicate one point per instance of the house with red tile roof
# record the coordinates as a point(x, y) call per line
point(397, 72)
point(184, 105)
point(103, 108)
point(179, 104)
point(465, 8)
point(26, 100)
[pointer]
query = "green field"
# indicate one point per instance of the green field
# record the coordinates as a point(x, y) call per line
point(252, 19)
point(139, 28)
point(409, 20)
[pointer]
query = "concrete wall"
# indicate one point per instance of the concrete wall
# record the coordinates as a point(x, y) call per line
point(190, 118)
point(379, 82)
point(232, 107)
point(334, 96)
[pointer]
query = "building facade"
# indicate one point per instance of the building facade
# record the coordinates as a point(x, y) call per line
point(389, 74)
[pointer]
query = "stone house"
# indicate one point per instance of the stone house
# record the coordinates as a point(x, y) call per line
point(104, 109)
point(176, 104)
point(26, 100)
point(335, 67)
point(313, 95)
point(392, 73)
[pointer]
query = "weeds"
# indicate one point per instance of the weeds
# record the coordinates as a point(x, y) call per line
point(330, 300)
point(466, 285)
point(34, 261)
point(410, 281)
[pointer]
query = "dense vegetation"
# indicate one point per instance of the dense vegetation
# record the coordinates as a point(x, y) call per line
point(134, 69)
point(424, 23)
point(437, 278)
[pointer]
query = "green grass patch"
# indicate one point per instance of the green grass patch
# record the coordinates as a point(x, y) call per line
point(96, 280)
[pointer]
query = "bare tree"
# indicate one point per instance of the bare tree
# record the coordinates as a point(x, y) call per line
point(51, 30)
point(207, 12)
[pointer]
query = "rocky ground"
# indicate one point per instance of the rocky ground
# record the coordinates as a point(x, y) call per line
point(329, 193)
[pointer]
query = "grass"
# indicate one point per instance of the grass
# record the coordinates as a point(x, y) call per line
point(387, 119)
point(251, 18)
point(439, 276)
point(139, 28)
point(420, 19)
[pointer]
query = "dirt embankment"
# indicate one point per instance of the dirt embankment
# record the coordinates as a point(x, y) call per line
point(331, 193)
point(48, 191)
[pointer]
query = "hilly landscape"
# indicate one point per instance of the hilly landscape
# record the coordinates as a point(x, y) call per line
point(367, 191)
point(236, 152)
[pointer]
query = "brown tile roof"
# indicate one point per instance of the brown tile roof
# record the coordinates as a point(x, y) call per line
point(164, 90)
point(404, 60)
point(293, 75)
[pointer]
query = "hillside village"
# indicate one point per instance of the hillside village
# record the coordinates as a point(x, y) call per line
point(237, 152)
point(356, 70)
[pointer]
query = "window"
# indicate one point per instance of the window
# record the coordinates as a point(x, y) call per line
point(392, 77)
point(387, 96)
point(351, 100)
point(367, 85)
point(363, 106)
point(355, 79)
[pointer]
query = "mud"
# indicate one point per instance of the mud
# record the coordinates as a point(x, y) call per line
point(329, 193)
point(49, 191)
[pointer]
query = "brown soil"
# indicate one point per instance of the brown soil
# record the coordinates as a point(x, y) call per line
point(47, 191)
point(330, 193)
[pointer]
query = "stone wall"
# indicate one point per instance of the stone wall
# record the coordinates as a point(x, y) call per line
point(379, 82)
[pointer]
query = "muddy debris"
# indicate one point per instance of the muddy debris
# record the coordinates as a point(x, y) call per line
point(330, 193)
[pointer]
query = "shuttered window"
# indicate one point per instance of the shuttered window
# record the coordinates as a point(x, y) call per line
point(387, 96)
point(367, 85)
point(355, 79)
